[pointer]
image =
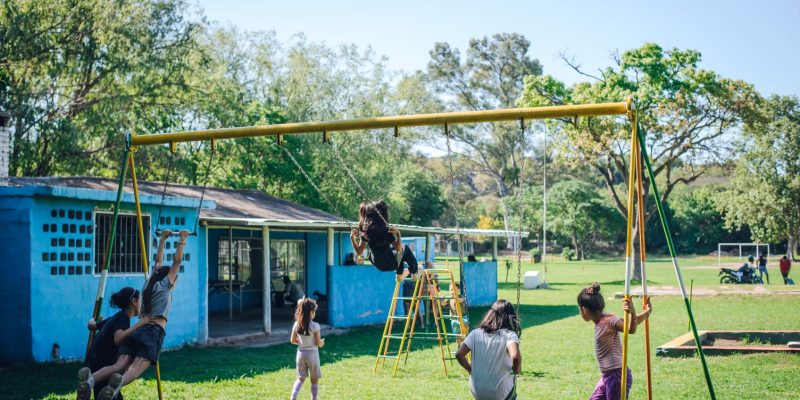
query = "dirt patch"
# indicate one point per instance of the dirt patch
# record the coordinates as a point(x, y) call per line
point(723, 290)
point(742, 343)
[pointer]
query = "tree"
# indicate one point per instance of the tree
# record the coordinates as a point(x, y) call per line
point(699, 225)
point(417, 197)
point(764, 192)
point(581, 214)
point(489, 77)
point(78, 74)
point(685, 112)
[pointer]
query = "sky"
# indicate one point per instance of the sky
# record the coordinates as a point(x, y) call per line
point(756, 41)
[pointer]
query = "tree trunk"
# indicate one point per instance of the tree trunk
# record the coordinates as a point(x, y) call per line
point(792, 246)
point(575, 244)
point(637, 264)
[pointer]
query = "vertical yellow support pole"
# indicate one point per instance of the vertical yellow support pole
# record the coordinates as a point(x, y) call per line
point(143, 245)
point(628, 257)
point(643, 259)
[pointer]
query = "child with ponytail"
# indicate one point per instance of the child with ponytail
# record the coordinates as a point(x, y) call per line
point(143, 347)
point(306, 335)
point(111, 332)
point(607, 344)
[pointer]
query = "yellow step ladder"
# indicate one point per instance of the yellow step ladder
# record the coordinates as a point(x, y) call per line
point(426, 288)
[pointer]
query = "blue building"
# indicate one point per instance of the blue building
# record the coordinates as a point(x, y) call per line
point(54, 236)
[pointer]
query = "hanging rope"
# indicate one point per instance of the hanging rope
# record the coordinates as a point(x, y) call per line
point(461, 270)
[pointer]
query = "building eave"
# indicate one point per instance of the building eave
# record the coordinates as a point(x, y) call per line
point(342, 225)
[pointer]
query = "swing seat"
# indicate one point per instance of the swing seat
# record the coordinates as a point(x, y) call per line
point(532, 280)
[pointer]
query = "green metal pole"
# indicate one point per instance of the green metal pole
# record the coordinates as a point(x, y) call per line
point(98, 303)
point(671, 247)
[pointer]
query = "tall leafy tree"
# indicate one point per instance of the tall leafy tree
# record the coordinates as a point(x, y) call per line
point(76, 74)
point(687, 115)
point(764, 192)
point(489, 76)
point(581, 214)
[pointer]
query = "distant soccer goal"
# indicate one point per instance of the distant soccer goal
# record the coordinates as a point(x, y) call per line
point(733, 255)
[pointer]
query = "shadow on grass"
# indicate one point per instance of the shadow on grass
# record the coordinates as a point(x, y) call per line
point(513, 286)
point(192, 365)
point(530, 314)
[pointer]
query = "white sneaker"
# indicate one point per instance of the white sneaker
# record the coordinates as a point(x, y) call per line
point(85, 384)
point(112, 390)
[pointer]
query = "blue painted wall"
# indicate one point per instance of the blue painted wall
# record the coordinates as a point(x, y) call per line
point(481, 282)
point(56, 261)
point(360, 295)
point(15, 279)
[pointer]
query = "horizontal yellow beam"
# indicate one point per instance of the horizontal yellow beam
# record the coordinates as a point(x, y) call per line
point(466, 117)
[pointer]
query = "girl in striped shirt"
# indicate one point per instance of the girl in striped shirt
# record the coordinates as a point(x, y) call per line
point(607, 344)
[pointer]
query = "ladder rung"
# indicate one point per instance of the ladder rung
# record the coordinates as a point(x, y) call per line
point(383, 356)
point(399, 317)
point(405, 298)
point(394, 336)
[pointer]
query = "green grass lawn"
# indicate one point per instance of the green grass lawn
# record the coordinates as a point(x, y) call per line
point(557, 347)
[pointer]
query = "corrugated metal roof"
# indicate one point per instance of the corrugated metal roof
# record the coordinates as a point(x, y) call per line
point(242, 207)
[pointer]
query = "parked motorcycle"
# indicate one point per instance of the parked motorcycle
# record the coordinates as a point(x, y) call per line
point(746, 274)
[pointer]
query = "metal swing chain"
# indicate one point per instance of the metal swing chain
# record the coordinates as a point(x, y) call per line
point(205, 184)
point(164, 193)
point(520, 201)
point(314, 185)
point(461, 269)
point(340, 160)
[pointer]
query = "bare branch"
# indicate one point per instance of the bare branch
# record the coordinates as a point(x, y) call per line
point(570, 61)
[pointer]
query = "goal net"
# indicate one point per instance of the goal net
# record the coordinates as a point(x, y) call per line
point(733, 255)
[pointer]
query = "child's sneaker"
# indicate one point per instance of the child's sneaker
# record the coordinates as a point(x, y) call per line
point(114, 385)
point(85, 384)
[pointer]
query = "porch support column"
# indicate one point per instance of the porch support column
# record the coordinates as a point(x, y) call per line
point(330, 247)
point(267, 284)
point(428, 246)
point(494, 248)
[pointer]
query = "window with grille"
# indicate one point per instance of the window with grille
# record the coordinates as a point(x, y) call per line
point(126, 251)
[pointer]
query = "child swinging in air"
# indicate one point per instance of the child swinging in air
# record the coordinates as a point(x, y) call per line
point(142, 347)
point(607, 345)
point(387, 252)
point(306, 335)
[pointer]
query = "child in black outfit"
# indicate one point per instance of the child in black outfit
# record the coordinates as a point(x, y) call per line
point(387, 252)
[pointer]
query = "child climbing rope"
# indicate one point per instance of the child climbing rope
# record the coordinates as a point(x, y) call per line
point(387, 252)
point(111, 332)
point(607, 344)
point(306, 335)
point(143, 346)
